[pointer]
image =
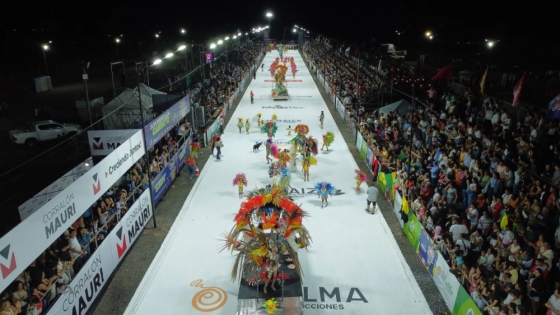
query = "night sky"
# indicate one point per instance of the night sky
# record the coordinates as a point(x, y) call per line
point(529, 29)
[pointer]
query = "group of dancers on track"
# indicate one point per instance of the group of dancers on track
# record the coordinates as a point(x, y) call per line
point(280, 160)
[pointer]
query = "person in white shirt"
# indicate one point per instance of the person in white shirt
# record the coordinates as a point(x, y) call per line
point(553, 303)
point(457, 229)
point(495, 118)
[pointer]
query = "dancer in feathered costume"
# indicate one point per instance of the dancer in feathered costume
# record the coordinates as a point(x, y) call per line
point(239, 123)
point(289, 130)
point(269, 145)
point(240, 180)
point(360, 178)
point(306, 163)
point(270, 128)
point(328, 138)
point(273, 170)
point(195, 148)
point(274, 118)
point(311, 143)
point(262, 125)
point(283, 157)
point(259, 120)
point(248, 125)
point(323, 190)
point(259, 252)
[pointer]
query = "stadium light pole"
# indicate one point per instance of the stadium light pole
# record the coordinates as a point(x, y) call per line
point(269, 16)
point(45, 48)
point(117, 41)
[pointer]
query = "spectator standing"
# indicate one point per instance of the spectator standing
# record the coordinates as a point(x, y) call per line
point(252, 97)
point(219, 146)
point(191, 166)
point(372, 193)
point(553, 303)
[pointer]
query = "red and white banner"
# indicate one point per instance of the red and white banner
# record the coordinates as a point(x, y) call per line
point(517, 90)
point(95, 273)
point(17, 250)
point(103, 142)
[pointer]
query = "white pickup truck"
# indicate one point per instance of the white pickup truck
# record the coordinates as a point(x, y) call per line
point(43, 131)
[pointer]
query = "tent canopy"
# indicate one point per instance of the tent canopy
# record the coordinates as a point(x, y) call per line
point(401, 107)
point(124, 111)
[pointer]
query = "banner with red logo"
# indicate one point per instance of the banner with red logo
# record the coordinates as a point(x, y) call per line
point(44, 226)
point(89, 282)
point(103, 142)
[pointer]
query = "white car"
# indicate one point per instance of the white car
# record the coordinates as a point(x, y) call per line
point(43, 131)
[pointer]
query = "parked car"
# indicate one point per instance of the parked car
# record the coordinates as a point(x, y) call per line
point(43, 131)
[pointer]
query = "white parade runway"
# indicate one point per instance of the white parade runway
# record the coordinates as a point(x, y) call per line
point(353, 266)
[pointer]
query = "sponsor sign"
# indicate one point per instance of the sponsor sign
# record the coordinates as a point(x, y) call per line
point(53, 218)
point(183, 152)
point(93, 276)
point(161, 183)
point(427, 251)
point(332, 299)
point(412, 229)
point(159, 127)
point(446, 282)
point(103, 142)
point(464, 304)
point(45, 195)
point(288, 80)
point(282, 107)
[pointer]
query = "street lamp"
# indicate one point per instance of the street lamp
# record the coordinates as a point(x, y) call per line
point(212, 46)
point(183, 31)
point(295, 31)
point(227, 38)
point(399, 33)
point(117, 41)
point(269, 16)
point(45, 48)
point(168, 55)
point(220, 42)
point(157, 62)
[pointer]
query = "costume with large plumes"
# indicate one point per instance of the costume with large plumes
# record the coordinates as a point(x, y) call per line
point(360, 178)
point(240, 180)
point(278, 71)
point(267, 233)
point(270, 128)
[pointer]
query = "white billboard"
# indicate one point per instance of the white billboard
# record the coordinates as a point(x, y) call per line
point(28, 240)
point(103, 142)
point(33, 204)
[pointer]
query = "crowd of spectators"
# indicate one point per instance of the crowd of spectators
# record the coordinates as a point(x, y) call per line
point(482, 182)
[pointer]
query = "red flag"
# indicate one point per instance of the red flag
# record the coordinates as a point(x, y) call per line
point(444, 73)
point(517, 90)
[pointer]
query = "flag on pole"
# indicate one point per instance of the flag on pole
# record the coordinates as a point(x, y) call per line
point(517, 90)
point(444, 73)
point(554, 108)
point(483, 81)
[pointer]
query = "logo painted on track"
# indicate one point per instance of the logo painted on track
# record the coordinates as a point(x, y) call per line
point(208, 299)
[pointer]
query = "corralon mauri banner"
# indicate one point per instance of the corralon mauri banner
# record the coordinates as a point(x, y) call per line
point(24, 243)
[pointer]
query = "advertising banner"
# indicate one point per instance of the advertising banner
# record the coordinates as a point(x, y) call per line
point(412, 229)
point(45, 195)
point(214, 127)
point(160, 126)
point(103, 142)
point(363, 147)
point(88, 283)
point(183, 152)
point(161, 183)
point(426, 251)
point(397, 205)
point(464, 304)
point(52, 219)
point(369, 157)
point(446, 282)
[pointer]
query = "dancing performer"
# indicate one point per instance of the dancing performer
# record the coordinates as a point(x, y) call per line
point(240, 180)
point(321, 118)
point(283, 157)
point(286, 177)
point(289, 130)
point(262, 126)
point(306, 164)
point(270, 128)
point(248, 125)
point(240, 123)
point(259, 120)
point(269, 150)
point(274, 118)
point(360, 178)
point(323, 190)
point(195, 148)
point(328, 138)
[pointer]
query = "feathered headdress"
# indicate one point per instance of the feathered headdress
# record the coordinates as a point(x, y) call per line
point(361, 176)
point(302, 129)
point(274, 116)
point(240, 119)
point(270, 127)
point(274, 149)
point(240, 178)
point(195, 147)
point(328, 187)
point(312, 143)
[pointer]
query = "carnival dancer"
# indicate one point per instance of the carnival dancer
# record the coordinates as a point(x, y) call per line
point(360, 178)
point(321, 118)
point(252, 97)
point(289, 130)
point(195, 148)
point(262, 126)
point(240, 180)
point(270, 128)
point(323, 190)
point(240, 123)
point(259, 120)
point(328, 138)
point(248, 125)
point(274, 118)
point(286, 177)
point(283, 157)
point(269, 147)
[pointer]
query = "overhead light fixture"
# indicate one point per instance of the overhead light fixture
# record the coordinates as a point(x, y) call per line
point(157, 61)
point(234, 36)
point(86, 164)
point(212, 46)
point(220, 42)
point(183, 31)
point(117, 40)
point(46, 47)
point(295, 30)
point(227, 38)
point(238, 34)
point(181, 47)
point(169, 55)
point(157, 35)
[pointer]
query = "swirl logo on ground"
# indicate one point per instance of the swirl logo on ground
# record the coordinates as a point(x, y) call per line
point(208, 299)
